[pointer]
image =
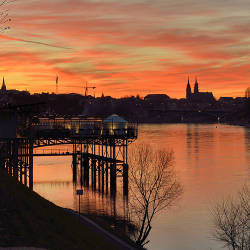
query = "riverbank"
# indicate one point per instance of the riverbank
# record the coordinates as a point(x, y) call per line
point(234, 123)
point(28, 220)
point(243, 124)
point(240, 117)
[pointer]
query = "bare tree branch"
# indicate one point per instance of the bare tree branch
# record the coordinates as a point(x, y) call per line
point(231, 219)
point(153, 187)
point(4, 16)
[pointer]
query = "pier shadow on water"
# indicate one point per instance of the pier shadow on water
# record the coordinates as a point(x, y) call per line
point(103, 202)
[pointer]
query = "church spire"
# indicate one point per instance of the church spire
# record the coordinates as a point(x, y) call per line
point(196, 86)
point(188, 90)
point(3, 89)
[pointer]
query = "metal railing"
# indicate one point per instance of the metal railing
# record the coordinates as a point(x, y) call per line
point(83, 127)
point(52, 152)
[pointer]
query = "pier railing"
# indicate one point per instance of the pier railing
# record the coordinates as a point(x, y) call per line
point(83, 127)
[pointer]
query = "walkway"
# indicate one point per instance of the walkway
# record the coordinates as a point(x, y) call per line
point(119, 243)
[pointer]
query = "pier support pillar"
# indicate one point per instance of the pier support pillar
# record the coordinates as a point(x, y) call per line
point(99, 174)
point(94, 174)
point(74, 166)
point(113, 178)
point(21, 162)
point(125, 179)
point(15, 158)
point(81, 169)
point(26, 161)
point(86, 171)
point(103, 174)
point(31, 164)
point(107, 175)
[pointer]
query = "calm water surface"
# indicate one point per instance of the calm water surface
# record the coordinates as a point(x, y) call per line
point(212, 161)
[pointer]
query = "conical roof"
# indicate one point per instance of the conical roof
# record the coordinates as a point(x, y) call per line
point(115, 118)
point(3, 85)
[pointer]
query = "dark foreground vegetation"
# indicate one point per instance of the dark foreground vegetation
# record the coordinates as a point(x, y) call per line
point(231, 218)
point(27, 219)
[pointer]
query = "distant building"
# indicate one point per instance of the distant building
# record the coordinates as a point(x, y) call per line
point(156, 103)
point(156, 98)
point(241, 99)
point(197, 96)
point(226, 99)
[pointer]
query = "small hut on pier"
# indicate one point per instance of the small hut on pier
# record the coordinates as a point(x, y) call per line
point(115, 125)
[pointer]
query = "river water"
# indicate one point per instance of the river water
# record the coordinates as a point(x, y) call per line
point(212, 161)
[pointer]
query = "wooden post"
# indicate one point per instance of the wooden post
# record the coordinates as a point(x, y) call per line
point(94, 174)
point(31, 164)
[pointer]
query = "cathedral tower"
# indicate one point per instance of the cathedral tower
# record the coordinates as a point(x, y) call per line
point(188, 90)
point(196, 87)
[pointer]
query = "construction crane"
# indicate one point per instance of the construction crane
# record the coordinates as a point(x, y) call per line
point(87, 88)
point(56, 84)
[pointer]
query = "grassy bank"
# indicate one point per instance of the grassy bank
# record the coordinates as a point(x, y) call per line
point(27, 219)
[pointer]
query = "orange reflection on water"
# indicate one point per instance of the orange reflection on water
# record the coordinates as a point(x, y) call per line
point(211, 161)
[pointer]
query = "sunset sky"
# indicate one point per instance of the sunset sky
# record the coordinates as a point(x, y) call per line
point(127, 47)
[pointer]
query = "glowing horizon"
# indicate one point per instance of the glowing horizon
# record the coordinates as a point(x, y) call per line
point(127, 48)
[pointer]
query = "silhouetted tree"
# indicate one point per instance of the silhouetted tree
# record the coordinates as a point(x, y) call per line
point(153, 187)
point(232, 221)
point(247, 92)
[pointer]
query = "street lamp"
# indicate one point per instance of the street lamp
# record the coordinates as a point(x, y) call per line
point(79, 192)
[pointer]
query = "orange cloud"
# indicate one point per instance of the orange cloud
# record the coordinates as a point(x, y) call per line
point(129, 47)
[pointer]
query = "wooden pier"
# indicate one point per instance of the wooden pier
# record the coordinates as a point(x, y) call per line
point(98, 147)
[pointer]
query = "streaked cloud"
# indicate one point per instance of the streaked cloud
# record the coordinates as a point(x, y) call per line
point(128, 47)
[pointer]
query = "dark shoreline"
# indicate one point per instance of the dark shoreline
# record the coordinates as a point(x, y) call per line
point(242, 124)
point(29, 220)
